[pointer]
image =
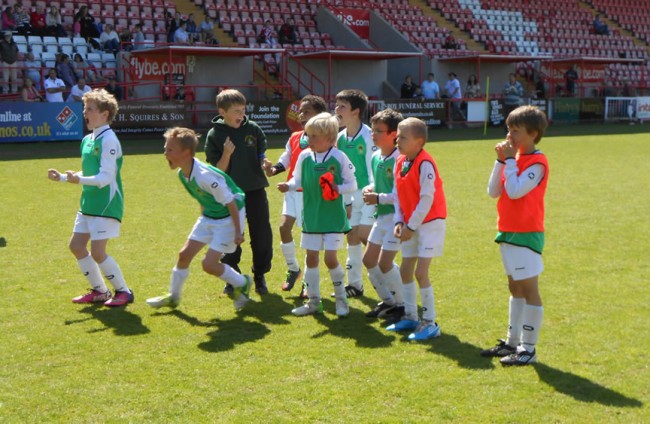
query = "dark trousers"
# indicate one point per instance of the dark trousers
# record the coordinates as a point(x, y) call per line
point(260, 234)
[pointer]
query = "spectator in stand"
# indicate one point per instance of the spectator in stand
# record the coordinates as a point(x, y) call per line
point(180, 95)
point(33, 70)
point(287, 32)
point(8, 21)
point(473, 88)
point(418, 93)
point(211, 40)
point(126, 39)
point(138, 38)
point(600, 27)
point(77, 91)
point(65, 70)
point(513, 93)
point(540, 88)
point(9, 62)
point(454, 94)
point(30, 93)
point(450, 42)
point(83, 69)
point(172, 23)
point(190, 27)
point(114, 89)
point(109, 40)
point(407, 90)
point(54, 23)
point(206, 28)
point(267, 35)
point(430, 88)
point(38, 20)
point(54, 87)
point(181, 36)
point(23, 24)
point(87, 27)
point(570, 77)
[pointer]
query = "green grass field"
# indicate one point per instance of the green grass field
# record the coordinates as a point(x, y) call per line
point(63, 362)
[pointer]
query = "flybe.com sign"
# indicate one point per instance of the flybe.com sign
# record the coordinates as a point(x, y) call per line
point(357, 19)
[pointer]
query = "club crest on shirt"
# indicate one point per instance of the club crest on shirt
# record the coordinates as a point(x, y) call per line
point(332, 169)
point(250, 141)
point(389, 172)
point(361, 149)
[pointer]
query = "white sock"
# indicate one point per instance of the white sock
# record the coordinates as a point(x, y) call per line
point(232, 277)
point(289, 253)
point(428, 304)
point(376, 278)
point(353, 264)
point(179, 275)
point(410, 292)
point(337, 274)
point(90, 270)
point(532, 323)
point(113, 274)
point(393, 280)
point(312, 279)
point(515, 316)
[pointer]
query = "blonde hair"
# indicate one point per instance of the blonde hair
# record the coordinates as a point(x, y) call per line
point(415, 127)
point(104, 101)
point(530, 117)
point(324, 124)
point(186, 137)
point(230, 97)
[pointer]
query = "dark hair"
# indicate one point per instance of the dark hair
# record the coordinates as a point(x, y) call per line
point(530, 117)
point(356, 98)
point(390, 117)
point(317, 102)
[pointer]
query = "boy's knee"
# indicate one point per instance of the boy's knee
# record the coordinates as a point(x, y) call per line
point(211, 267)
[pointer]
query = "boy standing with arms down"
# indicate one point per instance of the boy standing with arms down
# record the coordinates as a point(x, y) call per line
point(324, 173)
point(310, 106)
point(519, 179)
point(420, 223)
point(221, 223)
point(356, 142)
point(382, 244)
point(102, 202)
point(237, 146)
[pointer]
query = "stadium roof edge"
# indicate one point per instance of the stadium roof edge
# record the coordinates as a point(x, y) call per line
point(206, 51)
point(356, 55)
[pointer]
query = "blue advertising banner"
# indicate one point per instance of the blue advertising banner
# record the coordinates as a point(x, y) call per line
point(25, 122)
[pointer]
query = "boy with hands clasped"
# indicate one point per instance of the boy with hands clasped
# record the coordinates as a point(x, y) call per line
point(324, 173)
point(519, 178)
point(420, 223)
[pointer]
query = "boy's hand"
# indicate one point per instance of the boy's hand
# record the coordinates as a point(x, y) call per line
point(499, 149)
point(239, 239)
point(283, 187)
point(407, 233)
point(72, 177)
point(508, 150)
point(53, 175)
point(267, 166)
point(228, 147)
point(370, 197)
point(397, 231)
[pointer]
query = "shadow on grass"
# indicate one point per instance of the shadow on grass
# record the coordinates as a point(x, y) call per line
point(123, 322)
point(355, 326)
point(583, 390)
point(271, 309)
point(233, 332)
point(465, 354)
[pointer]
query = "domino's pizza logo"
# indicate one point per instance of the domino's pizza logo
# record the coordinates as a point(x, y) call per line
point(67, 118)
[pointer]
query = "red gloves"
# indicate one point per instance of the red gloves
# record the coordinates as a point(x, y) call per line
point(327, 185)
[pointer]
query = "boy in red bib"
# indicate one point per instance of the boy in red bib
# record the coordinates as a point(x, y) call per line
point(420, 224)
point(518, 180)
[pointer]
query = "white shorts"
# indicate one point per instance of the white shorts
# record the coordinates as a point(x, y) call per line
point(292, 206)
point(427, 242)
point(218, 233)
point(327, 241)
point(98, 227)
point(520, 263)
point(382, 233)
point(362, 214)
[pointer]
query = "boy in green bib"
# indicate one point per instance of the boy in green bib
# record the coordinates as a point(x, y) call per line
point(324, 173)
point(221, 225)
